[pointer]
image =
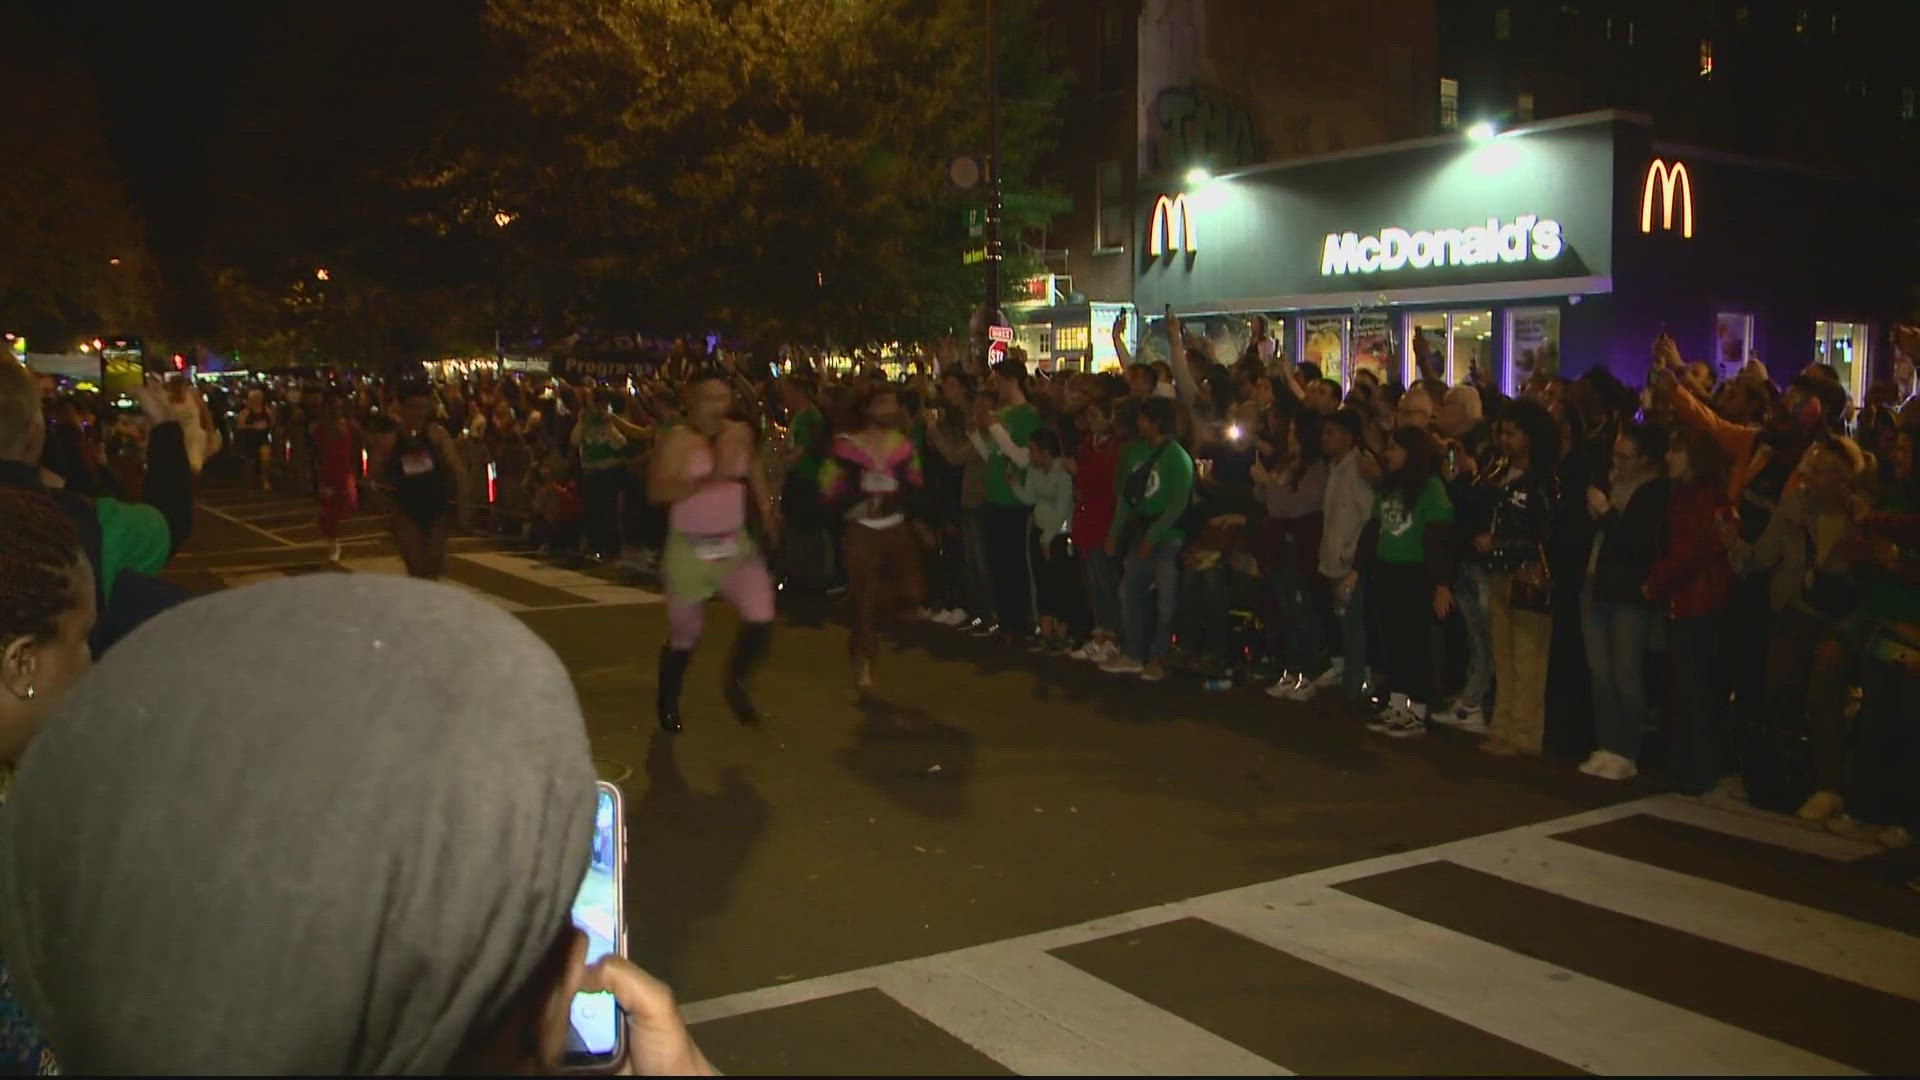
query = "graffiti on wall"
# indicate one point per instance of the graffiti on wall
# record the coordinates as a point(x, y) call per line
point(1192, 124)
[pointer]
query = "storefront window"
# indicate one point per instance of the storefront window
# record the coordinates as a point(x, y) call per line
point(1449, 345)
point(1732, 342)
point(1533, 346)
point(1326, 345)
point(1373, 349)
point(1471, 357)
point(1843, 346)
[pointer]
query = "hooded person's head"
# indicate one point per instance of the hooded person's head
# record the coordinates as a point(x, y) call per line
point(330, 825)
point(23, 426)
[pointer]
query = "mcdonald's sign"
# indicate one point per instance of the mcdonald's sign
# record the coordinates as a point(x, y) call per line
point(1172, 228)
point(1672, 180)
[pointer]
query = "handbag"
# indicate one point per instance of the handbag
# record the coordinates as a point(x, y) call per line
point(1530, 593)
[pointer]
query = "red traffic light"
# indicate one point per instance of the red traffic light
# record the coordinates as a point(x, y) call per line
point(179, 362)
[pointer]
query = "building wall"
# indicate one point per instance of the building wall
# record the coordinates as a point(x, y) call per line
point(1219, 84)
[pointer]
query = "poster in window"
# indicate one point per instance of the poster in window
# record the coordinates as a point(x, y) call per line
point(1373, 348)
point(1327, 346)
point(1536, 345)
point(1732, 342)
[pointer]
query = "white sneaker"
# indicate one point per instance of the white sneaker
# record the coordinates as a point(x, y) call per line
point(1306, 691)
point(1334, 673)
point(1464, 718)
point(1152, 672)
point(334, 555)
point(1395, 711)
point(1615, 767)
point(1404, 726)
point(1283, 689)
point(925, 614)
point(1122, 665)
point(952, 617)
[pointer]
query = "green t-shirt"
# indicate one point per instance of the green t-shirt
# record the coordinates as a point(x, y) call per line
point(1400, 531)
point(1021, 421)
point(1133, 454)
point(1169, 489)
point(804, 432)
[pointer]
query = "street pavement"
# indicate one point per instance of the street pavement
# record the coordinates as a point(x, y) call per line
point(1005, 863)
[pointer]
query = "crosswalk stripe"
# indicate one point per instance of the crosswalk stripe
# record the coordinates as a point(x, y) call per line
point(1586, 1023)
point(592, 590)
point(1873, 956)
point(1610, 1009)
point(1744, 821)
point(1125, 1033)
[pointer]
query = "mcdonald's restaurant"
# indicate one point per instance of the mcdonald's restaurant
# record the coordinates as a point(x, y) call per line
point(1550, 247)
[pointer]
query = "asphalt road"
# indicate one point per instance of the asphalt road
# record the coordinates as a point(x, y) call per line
point(997, 862)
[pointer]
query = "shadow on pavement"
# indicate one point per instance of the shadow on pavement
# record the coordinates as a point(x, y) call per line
point(704, 840)
point(913, 759)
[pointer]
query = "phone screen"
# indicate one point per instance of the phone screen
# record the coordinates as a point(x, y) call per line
point(597, 1027)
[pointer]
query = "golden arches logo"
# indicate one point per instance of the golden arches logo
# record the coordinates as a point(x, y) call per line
point(1173, 227)
point(1672, 180)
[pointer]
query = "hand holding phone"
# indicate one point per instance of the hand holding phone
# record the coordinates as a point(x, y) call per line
point(597, 1028)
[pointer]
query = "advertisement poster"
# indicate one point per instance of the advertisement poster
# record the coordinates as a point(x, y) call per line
point(1733, 332)
point(1373, 348)
point(1536, 345)
point(1327, 347)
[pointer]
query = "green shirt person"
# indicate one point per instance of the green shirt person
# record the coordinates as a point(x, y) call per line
point(1155, 489)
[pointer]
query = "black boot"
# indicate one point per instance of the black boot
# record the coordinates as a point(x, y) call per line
point(673, 672)
point(748, 650)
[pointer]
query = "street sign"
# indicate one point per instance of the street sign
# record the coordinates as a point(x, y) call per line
point(1001, 334)
point(996, 351)
point(973, 256)
point(976, 223)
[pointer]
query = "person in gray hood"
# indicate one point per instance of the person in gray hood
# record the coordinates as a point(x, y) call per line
point(354, 853)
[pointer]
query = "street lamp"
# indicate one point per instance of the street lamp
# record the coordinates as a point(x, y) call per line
point(1198, 177)
point(502, 218)
point(322, 275)
point(1481, 131)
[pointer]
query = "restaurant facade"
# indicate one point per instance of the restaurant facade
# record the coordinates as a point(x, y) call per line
point(1555, 246)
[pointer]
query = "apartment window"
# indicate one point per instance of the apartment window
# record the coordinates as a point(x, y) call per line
point(1800, 23)
point(1523, 105)
point(1113, 70)
point(1908, 99)
point(1449, 104)
point(1629, 31)
point(1706, 59)
point(1109, 195)
point(1502, 24)
point(1741, 16)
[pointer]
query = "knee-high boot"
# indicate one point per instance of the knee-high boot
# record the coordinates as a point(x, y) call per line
point(748, 650)
point(673, 672)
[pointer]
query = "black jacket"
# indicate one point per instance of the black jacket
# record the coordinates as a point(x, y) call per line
point(1630, 539)
point(1521, 525)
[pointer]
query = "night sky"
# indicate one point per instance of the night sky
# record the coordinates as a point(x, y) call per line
point(164, 73)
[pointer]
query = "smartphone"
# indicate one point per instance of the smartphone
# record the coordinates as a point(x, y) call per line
point(597, 1034)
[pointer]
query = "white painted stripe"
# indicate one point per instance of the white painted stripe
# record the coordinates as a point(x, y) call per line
point(587, 588)
point(393, 564)
point(1565, 1015)
point(776, 997)
point(1768, 828)
point(245, 525)
point(1147, 1038)
point(1011, 1034)
point(1874, 956)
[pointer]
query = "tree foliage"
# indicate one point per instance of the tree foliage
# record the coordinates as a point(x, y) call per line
point(773, 166)
point(73, 251)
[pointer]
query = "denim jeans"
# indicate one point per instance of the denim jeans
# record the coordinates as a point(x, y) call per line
point(1695, 761)
point(1473, 592)
point(1353, 640)
point(1617, 635)
point(1299, 620)
point(973, 541)
point(1103, 587)
point(1149, 597)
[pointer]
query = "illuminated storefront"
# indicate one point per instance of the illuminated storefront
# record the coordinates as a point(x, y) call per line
point(1544, 249)
point(1060, 330)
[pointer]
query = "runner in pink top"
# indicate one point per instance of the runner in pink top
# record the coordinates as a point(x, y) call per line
point(705, 470)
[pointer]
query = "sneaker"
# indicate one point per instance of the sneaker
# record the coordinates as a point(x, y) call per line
point(1395, 711)
point(334, 555)
point(1284, 688)
point(1404, 726)
point(925, 614)
point(981, 628)
point(1464, 718)
point(1152, 672)
point(1105, 651)
point(1894, 837)
point(1607, 765)
point(1731, 788)
point(1820, 806)
point(1305, 691)
point(1334, 673)
point(1122, 665)
point(955, 617)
